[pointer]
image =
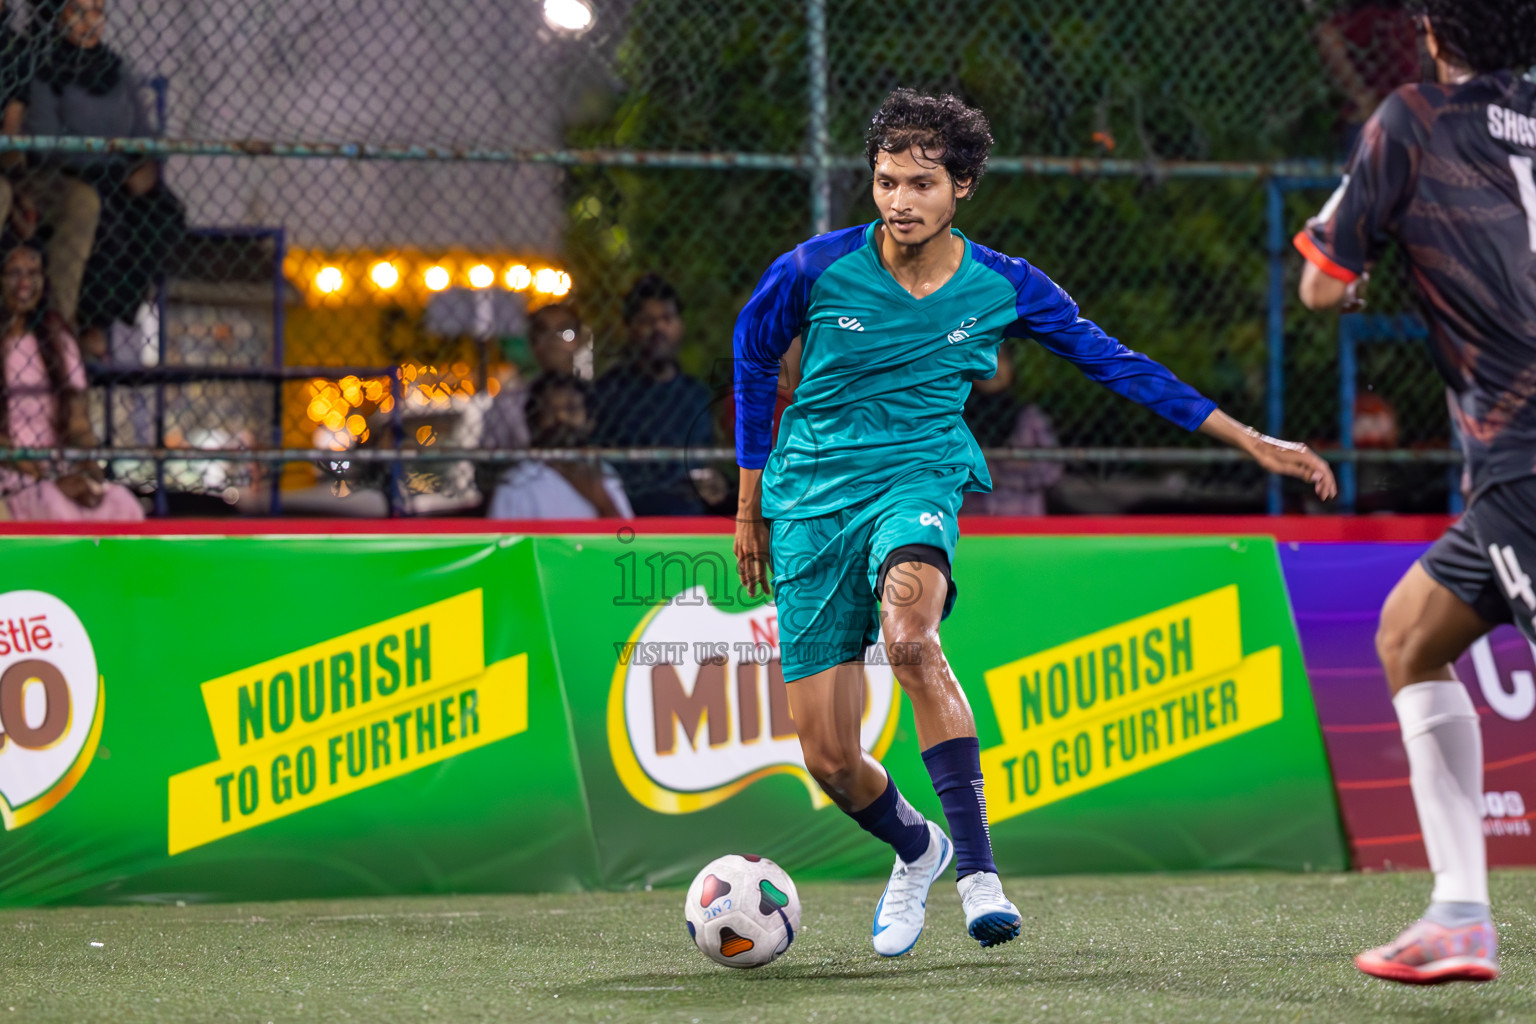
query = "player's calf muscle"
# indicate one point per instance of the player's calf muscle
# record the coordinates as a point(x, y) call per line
point(939, 707)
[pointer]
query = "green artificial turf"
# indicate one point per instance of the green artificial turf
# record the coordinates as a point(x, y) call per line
point(1185, 948)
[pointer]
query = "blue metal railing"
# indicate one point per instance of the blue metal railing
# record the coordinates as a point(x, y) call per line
point(1279, 238)
point(1356, 329)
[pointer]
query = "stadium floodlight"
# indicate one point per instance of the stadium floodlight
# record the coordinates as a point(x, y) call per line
point(385, 274)
point(329, 280)
point(437, 278)
point(546, 281)
point(518, 277)
point(562, 284)
point(573, 16)
point(482, 276)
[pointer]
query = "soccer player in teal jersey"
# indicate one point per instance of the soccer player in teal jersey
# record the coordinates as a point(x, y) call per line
point(857, 499)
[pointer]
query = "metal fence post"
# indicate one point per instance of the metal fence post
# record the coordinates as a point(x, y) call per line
point(279, 359)
point(162, 505)
point(820, 141)
point(1349, 373)
point(1275, 331)
point(395, 485)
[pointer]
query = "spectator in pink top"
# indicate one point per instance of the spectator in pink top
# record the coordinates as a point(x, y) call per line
point(42, 405)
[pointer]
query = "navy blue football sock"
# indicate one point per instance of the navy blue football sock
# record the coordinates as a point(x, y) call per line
point(955, 766)
point(895, 822)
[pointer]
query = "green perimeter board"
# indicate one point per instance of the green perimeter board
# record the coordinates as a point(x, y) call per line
point(166, 614)
point(1260, 798)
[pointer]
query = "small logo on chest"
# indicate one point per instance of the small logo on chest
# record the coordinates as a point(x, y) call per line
point(849, 323)
point(963, 331)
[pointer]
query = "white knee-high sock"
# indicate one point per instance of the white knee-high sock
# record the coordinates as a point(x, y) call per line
point(1445, 763)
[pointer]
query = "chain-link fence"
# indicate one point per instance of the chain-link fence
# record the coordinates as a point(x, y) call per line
point(337, 257)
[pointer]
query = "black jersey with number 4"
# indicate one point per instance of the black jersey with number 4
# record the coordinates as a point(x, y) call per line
point(1446, 170)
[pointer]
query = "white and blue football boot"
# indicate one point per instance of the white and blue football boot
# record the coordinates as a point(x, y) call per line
point(989, 917)
point(904, 904)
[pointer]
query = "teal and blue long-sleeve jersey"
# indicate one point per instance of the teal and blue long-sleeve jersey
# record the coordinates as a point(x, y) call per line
point(884, 376)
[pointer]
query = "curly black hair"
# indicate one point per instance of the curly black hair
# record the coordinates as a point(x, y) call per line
point(943, 127)
point(1484, 35)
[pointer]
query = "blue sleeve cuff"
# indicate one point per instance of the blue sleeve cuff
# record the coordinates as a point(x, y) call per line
point(1202, 412)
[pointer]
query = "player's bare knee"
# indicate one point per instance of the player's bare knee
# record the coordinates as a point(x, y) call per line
point(1409, 655)
point(1391, 641)
point(834, 776)
point(909, 674)
point(1418, 659)
point(909, 629)
point(832, 764)
point(914, 658)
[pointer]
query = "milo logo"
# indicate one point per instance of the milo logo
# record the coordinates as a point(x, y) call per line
point(698, 708)
point(50, 704)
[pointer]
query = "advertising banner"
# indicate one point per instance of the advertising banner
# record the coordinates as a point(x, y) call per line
point(281, 717)
point(1337, 591)
point(1141, 702)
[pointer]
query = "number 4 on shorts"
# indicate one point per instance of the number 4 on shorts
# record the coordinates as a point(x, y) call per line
point(1516, 582)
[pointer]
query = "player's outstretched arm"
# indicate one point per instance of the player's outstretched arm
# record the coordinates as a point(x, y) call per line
point(1049, 315)
point(1289, 458)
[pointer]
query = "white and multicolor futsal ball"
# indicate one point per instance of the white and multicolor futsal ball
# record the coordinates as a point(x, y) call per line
point(742, 911)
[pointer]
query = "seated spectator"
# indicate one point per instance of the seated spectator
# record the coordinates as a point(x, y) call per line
point(997, 420)
point(648, 401)
point(557, 411)
point(42, 405)
point(1378, 485)
point(1375, 423)
point(67, 206)
point(15, 81)
point(109, 210)
point(554, 334)
point(991, 408)
point(1368, 48)
point(1018, 487)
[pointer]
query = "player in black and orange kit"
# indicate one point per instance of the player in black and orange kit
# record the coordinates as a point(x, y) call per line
point(1445, 170)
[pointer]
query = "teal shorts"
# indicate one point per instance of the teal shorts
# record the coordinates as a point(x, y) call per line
point(826, 568)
